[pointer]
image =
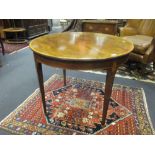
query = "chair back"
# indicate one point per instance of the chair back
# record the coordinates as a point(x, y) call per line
point(147, 27)
point(133, 23)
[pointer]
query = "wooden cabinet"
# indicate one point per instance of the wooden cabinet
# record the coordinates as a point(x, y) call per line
point(35, 27)
point(100, 26)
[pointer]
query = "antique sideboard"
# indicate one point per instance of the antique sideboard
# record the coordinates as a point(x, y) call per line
point(100, 26)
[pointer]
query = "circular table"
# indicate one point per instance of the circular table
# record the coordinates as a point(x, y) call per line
point(15, 31)
point(81, 51)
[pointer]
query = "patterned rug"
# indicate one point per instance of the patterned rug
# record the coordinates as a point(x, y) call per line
point(77, 109)
point(133, 71)
point(9, 48)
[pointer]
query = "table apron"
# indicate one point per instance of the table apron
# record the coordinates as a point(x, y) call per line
point(80, 65)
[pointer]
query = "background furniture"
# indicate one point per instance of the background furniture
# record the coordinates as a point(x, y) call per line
point(64, 22)
point(141, 33)
point(74, 26)
point(100, 26)
point(138, 26)
point(34, 27)
point(15, 32)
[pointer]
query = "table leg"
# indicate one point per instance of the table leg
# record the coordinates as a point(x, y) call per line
point(108, 89)
point(41, 84)
point(64, 75)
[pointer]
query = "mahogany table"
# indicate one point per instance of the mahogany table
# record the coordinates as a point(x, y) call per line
point(81, 51)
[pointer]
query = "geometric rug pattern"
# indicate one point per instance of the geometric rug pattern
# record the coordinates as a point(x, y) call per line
point(77, 109)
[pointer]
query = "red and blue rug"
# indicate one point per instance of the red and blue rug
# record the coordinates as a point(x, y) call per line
point(77, 109)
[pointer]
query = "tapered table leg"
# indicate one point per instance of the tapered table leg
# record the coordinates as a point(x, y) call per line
point(108, 89)
point(41, 84)
point(64, 75)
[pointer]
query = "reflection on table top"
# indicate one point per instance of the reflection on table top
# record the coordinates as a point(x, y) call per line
point(81, 46)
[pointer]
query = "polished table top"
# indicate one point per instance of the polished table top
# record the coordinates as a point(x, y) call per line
point(81, 46)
